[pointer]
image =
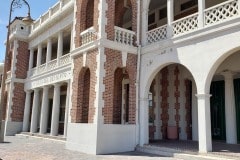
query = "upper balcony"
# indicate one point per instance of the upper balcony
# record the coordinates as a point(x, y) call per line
point(61, 7)
point(50, 66)
point(191, 20)
point(120, 32)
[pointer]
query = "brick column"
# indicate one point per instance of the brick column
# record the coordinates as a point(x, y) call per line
point(204, 123)
point(27, 112)
point(44, 111)
point(34, 119)
point(55, 110)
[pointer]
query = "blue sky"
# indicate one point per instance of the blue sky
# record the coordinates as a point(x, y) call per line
point(37, 8)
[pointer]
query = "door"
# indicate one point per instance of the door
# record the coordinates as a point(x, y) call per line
point(237, 102)
point(217, 103)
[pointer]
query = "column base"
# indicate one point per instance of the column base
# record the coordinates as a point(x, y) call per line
point(12, 128)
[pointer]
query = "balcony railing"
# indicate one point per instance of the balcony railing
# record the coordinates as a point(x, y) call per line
point(221, 12)
point(214, 15)
point(64, 60)
point(124, 36)
point(186, 24)
point(88, 35)
point(51, 12)
point(157, 34)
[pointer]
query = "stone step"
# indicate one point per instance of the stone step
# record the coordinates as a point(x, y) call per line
point(44, 136)
point(186, 155)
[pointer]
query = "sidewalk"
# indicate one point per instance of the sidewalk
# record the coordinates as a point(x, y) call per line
point(24, 148)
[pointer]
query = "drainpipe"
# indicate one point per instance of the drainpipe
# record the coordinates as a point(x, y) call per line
point(138, 70)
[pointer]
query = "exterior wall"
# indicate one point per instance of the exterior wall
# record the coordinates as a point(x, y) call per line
point(77, 101)
point(114, 61)
point(83, 18)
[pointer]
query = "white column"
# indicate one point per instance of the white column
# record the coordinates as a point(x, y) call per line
point(27, 112)
point(201, 8)
point(170, 17)
point(49, 50)
point(39, 55)
point(55, 110)
point(60, 45)
point(30, 65)
point(66, 110)
point(204, 123)
point(230, 110)
point(34, 119)
point(143, 118)
point(44, 111)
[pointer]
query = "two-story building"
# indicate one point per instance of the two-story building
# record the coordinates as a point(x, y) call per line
point(109, 75)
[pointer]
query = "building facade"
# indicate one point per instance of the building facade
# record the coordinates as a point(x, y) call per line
point(109, 75)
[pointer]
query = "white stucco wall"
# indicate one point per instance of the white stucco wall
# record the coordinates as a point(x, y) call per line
point(113, 138)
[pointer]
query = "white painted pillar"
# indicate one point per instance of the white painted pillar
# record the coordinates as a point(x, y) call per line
point(66, 110)
point(204, 123)
point(39, 55)
point(170, 18)
point(27, 112)
point(30, 65)
point(55, 110)
point(34, 119)
point(60, 46)
point(201, 8)
point(230, 110)
point(144, 26)
point(143, 118)
point(44, 111)
point(49, 50)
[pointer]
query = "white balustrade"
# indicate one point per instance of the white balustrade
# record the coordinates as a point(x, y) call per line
point(88, 35)
point(157, 34)
point(52, 11)
point(186, 24)
point(52, 65)
point(34, 71)
point(41, 68)
point(221, 12)
point(124, 36)
point(64, 60)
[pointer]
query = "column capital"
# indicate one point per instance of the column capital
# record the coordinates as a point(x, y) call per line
point(36, 89)
point(46, 87)
point(28, 91)
point(57, 84)
point(49, 39)
point(203, 95)
point(228, 74)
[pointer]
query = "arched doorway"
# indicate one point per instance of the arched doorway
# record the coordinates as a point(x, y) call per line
point(225, 100)
point(172, 105)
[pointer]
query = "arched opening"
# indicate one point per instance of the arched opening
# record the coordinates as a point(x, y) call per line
point(123, 14)
point(121, 97)
point(172, 106)
point(225, 101)
point(89, 14)
point(83, 96)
